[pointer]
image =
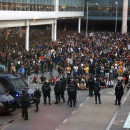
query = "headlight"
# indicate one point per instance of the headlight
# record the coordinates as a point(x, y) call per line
point(1, 104)
point(17, 95)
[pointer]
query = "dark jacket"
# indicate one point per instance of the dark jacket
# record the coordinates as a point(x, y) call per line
point(119, 90)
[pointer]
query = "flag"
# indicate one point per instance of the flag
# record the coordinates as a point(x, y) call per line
point(65, 28)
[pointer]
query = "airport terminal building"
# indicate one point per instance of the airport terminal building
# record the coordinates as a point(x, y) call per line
point(18, 13)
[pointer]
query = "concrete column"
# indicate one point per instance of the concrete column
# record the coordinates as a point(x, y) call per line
point(20, 32)
point(27, 36)
point(125, 16)
point(56, 4)
point(79, 25)
point(52, 32)
point(55, 30)
point(6, 33)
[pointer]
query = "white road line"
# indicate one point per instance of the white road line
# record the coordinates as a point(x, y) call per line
point(56, 129)
point(19, 115)
point(125, 98)
point(111, 122)
point(73, 111)
point(65, 121)
point(114, 117)
point(4, 127)
point(81, 104)
point(87, 98)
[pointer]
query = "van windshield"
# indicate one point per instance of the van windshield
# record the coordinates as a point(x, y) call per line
point(18, 83)
point(2, 89)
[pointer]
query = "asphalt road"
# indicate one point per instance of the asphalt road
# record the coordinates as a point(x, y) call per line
point(56, 116)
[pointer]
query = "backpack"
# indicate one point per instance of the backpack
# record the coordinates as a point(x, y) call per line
point(46, 88)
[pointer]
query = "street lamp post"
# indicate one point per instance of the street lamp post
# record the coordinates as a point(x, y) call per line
point(116, 16)
point(88, 4)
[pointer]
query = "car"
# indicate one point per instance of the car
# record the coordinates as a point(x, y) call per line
point(15, 85)
point(7, 103)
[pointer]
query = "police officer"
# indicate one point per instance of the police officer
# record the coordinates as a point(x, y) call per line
point(57, 91)
point(25, 104)
point(71, 94)
point(37, 95)
point(62, 88)
point(97, 92)
point(119, 92)
point(91, 83)
point(46, 91)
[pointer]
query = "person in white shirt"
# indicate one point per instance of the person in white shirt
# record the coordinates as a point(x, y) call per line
point(75, 70)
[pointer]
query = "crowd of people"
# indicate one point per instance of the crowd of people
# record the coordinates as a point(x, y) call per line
point(103, 54)
point(81, 63)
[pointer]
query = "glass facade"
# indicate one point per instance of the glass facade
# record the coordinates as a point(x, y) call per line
point(41, 5)
point(71, 5)
point(27, 5)
point(105, 9)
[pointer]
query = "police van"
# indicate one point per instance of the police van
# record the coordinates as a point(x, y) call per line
point(6, 100)
point(15, 85)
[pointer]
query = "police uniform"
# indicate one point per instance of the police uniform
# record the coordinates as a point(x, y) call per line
point(63, 87)
point(46, 92)
point(71, 94)
point(119, 92)
point(97, 92)
point(25, 104)
point(57, 92)
point(91, 83)
point(37, 95)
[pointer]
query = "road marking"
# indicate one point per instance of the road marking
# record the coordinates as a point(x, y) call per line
point(127, 122)
point(73, 111)
point(111, 93)
point(19, 115)
point(65, 121)
point(81, 104)
point(113, 119)
point(4, 127)
point(87, 98)
point(125, 98)
point(111, 122)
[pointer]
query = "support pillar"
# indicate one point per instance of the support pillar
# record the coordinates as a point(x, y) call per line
point(52, 32)
point(20, 32)
point(55, 30)
point(27, 36)
point(56, 4)
point(125, 16)
point(6, 33)
point(79, 25)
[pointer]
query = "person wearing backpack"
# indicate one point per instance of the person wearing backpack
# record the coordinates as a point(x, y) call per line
point(97, 92)
point(46, 91)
